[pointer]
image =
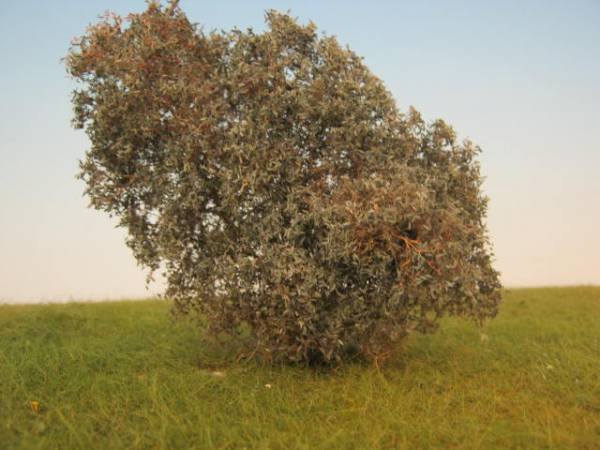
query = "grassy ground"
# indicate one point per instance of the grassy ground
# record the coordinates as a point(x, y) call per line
point(121, 375)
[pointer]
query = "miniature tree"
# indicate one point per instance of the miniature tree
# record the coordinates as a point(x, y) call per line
point(274, 180)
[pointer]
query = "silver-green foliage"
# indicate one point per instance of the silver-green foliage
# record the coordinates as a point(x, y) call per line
point(273, 178)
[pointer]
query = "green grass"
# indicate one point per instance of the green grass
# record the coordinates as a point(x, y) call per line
point(122, 375)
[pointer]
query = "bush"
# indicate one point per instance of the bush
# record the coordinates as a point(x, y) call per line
point(273, 180)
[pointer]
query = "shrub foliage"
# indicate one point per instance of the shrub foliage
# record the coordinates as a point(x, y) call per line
point(272, 179)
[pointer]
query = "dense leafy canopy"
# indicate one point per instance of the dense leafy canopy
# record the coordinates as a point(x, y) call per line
point(272, 178)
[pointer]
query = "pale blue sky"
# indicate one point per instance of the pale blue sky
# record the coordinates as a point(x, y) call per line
point(521, 79)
